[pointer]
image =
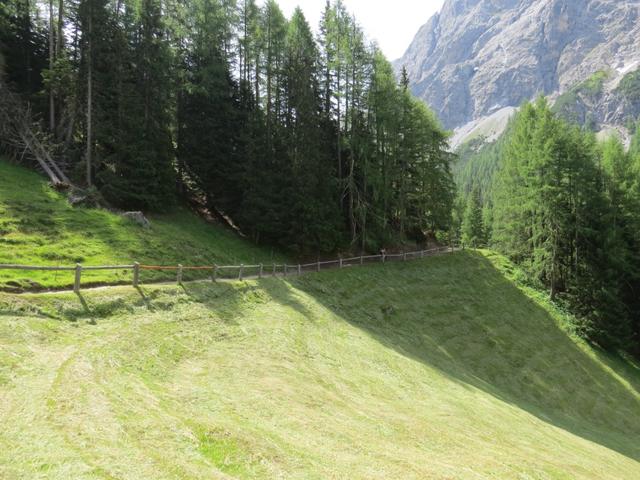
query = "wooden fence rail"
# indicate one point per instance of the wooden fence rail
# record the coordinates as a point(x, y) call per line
point(239, 272)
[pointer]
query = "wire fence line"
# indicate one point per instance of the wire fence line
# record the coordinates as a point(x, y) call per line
point(235, 272)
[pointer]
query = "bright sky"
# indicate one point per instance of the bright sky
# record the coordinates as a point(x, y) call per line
point(392, 23)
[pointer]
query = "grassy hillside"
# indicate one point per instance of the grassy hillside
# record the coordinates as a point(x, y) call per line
point(440, 369)
point(39, 227)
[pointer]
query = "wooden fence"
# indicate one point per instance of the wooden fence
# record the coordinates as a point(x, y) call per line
point(237, 272)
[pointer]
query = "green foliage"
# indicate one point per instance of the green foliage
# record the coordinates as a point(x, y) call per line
point(318, 147)
point(209, 119)
point(634, 147)
point(570, 105)
point(23, 49)
point(138, 173)
point(306, 144)
point(552, 215)
point(593, 85)
point(629, 86)
point(476, 164)
point(343, 374)
point(565, 105)
point(473, 230)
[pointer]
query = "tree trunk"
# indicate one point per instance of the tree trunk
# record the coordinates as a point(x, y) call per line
point(52, 101)
point(339, 126)
point(269, 75)
point(89, 98)
point(60, 26)
point(27, 42)
point(553, 290)
point(352, 217)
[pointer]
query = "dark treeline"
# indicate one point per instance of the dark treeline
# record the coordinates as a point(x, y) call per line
point(567, 209)
point(302, 140)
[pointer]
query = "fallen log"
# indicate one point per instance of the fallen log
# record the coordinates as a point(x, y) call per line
point(22, 136)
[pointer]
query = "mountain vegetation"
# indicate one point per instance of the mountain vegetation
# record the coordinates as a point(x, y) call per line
point(248, 137)
point(629, 86)
point(301, 141)
point(309, 143)
point(565, 208)
point(568, 104)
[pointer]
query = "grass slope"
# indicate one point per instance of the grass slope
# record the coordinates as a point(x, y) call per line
point(441, 369)
point(39, 227)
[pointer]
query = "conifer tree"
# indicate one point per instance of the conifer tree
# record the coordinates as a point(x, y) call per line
point(306, 143)
point(208, 112)
point(552, 216)
point(312, 210)
point(473, 231)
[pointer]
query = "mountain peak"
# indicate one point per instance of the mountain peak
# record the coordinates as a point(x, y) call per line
point(476, 57)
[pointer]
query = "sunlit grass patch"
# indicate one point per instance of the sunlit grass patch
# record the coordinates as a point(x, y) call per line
point(39, 227)
point(440, 368)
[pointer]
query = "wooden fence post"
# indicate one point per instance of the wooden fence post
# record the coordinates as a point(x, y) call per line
point(404, 256)
point(318, 267)
point(179, 279)
point(340, 261)
point(285, 269)
point(299, 270)
point(274, 269)
point(261, 271)
point(214, 275)
point(240, 272)
point(76, 285)
point(136, 274)
point(384, 257)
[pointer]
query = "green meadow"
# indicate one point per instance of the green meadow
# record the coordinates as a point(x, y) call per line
point(442, 368)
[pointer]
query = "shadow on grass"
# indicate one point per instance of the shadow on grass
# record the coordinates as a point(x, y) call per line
point(456, 313)
point(229, 300)
point(462, 316)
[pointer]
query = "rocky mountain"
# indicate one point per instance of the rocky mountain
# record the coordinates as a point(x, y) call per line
point(478, 59)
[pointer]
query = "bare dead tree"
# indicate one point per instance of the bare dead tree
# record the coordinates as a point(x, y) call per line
point(22, 136)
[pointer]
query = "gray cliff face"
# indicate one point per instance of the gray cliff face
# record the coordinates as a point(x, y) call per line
point(476, 57)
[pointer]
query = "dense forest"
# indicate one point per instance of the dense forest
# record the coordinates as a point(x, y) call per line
point(298, 139)
point(567, 209)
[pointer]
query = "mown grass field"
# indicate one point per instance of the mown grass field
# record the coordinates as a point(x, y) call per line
point(439, 368)
point(39, 227)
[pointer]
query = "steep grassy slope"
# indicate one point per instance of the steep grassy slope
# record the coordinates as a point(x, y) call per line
point(39, 227)
point(440, 369)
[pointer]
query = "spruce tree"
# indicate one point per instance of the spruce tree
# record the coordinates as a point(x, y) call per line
point(473, 231)
point(313, 217)
point(208, 130)
point(140, 172)
point(551, 215)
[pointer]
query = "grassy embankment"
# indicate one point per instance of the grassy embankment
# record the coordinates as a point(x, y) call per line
point(440, 368)
point(39, 227)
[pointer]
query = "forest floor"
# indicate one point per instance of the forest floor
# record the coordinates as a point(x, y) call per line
point(438, 368)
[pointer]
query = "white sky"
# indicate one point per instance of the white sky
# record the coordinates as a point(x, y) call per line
point(392, 23)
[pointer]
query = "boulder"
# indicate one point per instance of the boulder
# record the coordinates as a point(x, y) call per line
point(139, 218)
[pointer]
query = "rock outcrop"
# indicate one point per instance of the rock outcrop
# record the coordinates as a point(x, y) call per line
point(477, 57)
